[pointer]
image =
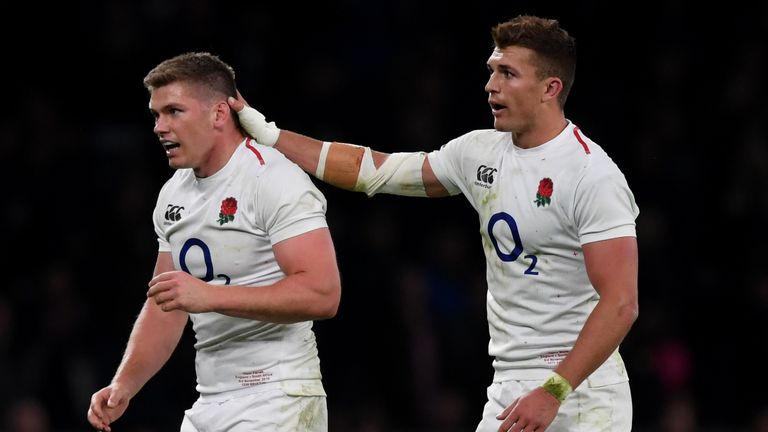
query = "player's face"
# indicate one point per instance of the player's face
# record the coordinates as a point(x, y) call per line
point(184, 124)
point(514, 90)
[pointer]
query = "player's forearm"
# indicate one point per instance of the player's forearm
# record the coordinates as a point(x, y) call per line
point(612, 268)
point(602, 333)
point(310, 290)
point(302, 150)
point(335, 163)
point(298, 297)
point(343, 162)
point(154, 336)
point(346, 166)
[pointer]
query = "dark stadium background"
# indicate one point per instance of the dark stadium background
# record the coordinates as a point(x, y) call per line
point(673, 90)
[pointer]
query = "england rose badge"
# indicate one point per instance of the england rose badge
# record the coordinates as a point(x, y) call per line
point(227, 211)
point(544, 194)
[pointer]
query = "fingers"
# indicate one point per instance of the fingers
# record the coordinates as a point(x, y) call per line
point(162, 277)
point(236, 104)
point(164, 296)
point(507, 410)
point(241, 98)
point(96, 415)
point(504, 413)
point(97, 402)
point(162, 282)
point(169, 306)
point(96, 421)
point(515, 426)
point(155, 290)
point(163, 289)
point(510, 425)
point(166, 300)
point(510, 419)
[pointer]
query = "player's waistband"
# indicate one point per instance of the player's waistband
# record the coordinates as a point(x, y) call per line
point(303, 387)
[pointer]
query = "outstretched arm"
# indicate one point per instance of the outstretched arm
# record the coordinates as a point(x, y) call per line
point(346, 166)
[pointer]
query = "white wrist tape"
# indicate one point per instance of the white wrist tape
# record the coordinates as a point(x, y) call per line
point(256, 125)
point(400, 174)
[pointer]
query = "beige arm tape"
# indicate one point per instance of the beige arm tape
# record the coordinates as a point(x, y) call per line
point(339, 164)
point(557, 386)
point(351, 167)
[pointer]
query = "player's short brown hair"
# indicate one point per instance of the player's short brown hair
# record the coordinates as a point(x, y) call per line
point(201, 68)
point(555, 49)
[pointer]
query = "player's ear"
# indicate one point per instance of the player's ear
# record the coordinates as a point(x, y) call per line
point(552, 88)
point(221, 113)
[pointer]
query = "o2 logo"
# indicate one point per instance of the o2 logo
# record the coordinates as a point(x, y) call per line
point(206, 251)
point(512, 255)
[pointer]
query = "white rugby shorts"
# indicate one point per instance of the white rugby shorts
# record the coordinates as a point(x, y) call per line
point(274, 407)
point(592, 407)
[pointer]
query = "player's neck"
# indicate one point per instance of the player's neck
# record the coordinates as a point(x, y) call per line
point(540, 132)
point(220, 153)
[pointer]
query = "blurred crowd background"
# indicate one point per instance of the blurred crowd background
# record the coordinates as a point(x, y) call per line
point(673, 90)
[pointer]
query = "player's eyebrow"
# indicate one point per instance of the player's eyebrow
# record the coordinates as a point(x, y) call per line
point(166, 108)
point(503, 68)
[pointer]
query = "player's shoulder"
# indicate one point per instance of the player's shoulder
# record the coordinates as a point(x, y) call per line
point(264, 157)
point(257, 161)
point(479, 140)
point(179, 177)
point(597, 163)
point(267, 166)
point(484, 136)
point(174, 184)
point(581, 146)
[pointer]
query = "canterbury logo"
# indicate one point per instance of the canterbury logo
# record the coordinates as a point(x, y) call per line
point(173, 212)
point(485, 174)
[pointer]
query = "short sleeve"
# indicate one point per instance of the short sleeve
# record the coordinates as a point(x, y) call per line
point(605, 208)
point(445, 163)
point(289, 203)
point(157, 220)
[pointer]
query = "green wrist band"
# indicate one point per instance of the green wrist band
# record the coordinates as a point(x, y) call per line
point(557, 386)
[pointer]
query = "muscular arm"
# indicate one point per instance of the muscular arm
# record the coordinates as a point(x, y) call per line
point(343, 162)
point(612, 269)
point(154, 336)
point(311, 289)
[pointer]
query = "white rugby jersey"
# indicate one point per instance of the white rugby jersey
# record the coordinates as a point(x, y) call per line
point(537, 207)
point(221, 229)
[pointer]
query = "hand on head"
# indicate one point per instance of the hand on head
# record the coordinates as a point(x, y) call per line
point(238, 103)
point(254, 122)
